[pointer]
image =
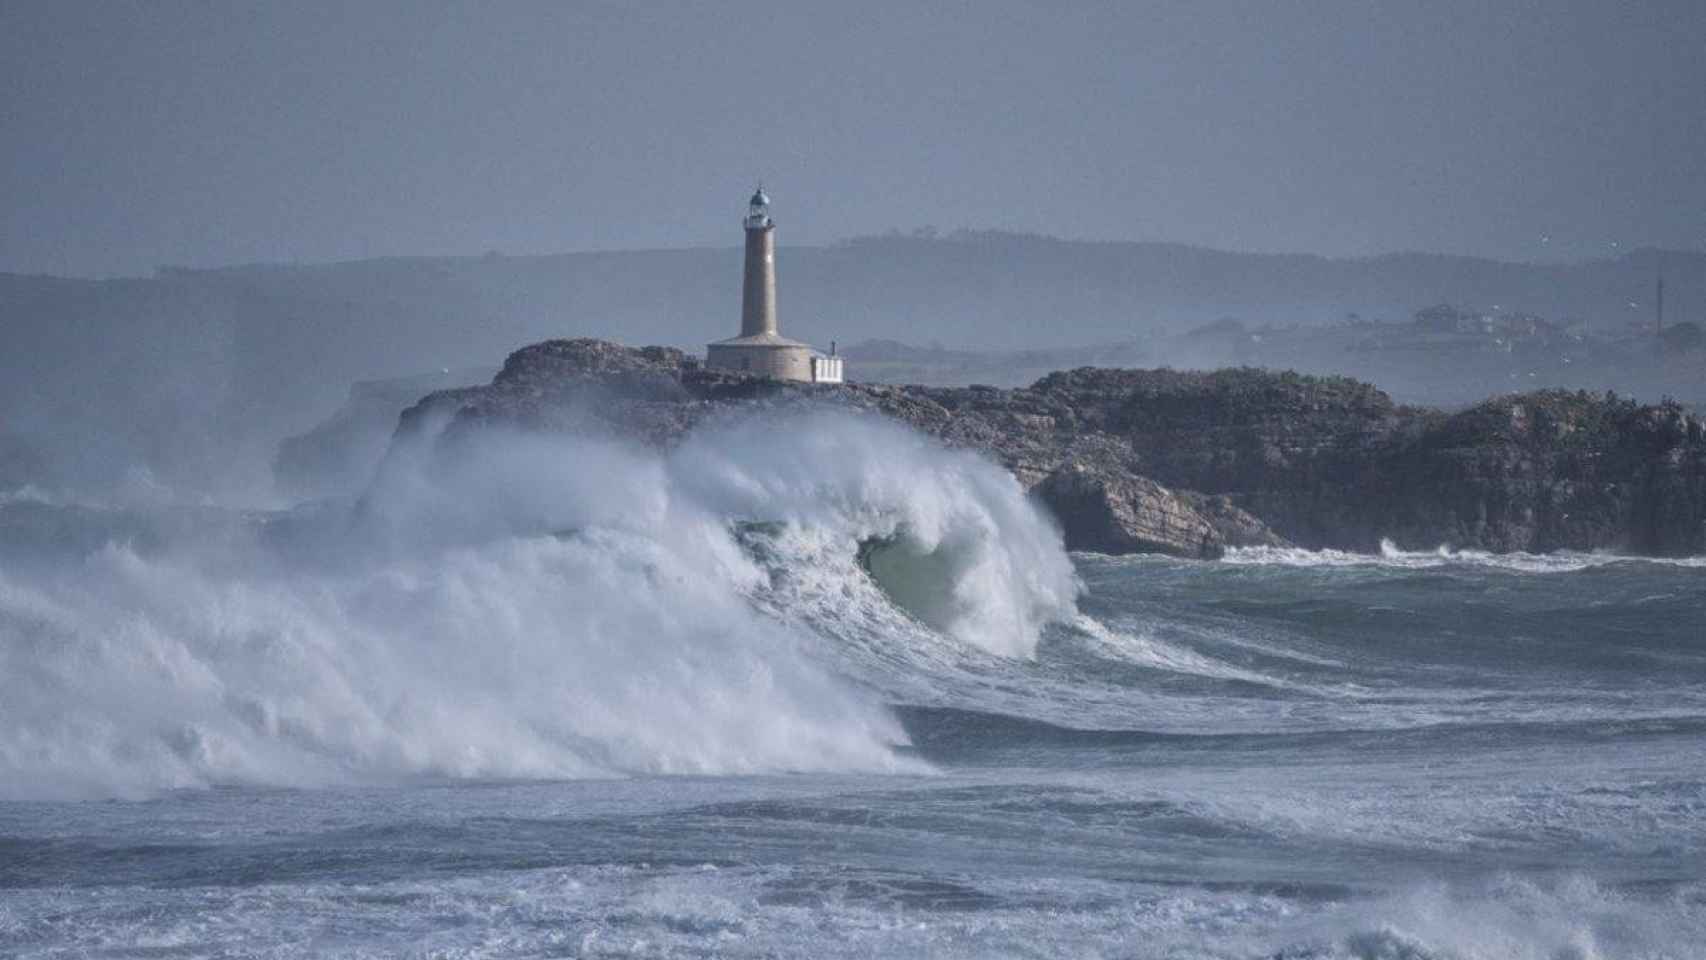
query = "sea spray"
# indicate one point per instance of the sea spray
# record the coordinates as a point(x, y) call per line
point(949, 536)
point(514, 605)
point(1216, 759)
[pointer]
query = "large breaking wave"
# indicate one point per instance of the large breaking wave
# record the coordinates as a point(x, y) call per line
point(513, 605)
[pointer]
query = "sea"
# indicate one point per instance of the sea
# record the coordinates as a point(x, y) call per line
point(809, 685)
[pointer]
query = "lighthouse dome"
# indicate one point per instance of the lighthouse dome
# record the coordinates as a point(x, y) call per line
point(758, 210)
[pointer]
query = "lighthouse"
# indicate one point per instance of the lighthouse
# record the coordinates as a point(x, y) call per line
point(758, 286)
point(761, 349)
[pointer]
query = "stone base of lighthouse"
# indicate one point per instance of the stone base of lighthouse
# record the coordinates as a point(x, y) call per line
point(769, 355)
point(760, 350)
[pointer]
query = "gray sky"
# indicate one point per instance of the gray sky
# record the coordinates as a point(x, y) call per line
point(146, 133)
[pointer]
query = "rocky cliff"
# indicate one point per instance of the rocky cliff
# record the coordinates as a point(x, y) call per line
point(1191, 463)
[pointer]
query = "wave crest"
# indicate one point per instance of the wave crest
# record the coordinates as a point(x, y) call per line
point(521, 606)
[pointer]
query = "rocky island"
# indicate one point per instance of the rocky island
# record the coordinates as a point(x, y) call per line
point(1191, 463)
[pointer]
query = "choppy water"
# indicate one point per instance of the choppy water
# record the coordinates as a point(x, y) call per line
point(557, 705)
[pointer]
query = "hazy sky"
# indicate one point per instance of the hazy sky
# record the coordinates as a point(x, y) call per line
point(147, 133)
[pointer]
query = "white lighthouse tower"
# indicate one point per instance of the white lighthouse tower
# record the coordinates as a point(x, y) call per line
point(760, 349)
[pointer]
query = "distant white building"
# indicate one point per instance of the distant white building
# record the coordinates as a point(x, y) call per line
point(760, 349)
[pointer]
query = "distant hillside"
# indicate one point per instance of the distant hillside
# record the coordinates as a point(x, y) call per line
point(167, 370)
point(971, 290)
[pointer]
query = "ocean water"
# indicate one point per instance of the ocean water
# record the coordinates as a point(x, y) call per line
point(843, 696)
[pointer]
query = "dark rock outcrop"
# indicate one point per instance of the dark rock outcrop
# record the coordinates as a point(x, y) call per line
point(1332, 462)
point(1191, 463)
point(1234, 527)
point(1125, 513)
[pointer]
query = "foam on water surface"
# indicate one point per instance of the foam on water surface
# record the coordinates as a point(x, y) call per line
point(813, 686)
point(1445, 556)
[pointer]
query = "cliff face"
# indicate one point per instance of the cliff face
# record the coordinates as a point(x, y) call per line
point(1556, 470)
point(1332, 462)
point(1190, 463)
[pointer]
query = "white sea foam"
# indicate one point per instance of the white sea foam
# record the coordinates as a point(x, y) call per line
point(1443, 556)
point(624, 911)
point(963, 551)
point(527, 607)
point(1143, 648)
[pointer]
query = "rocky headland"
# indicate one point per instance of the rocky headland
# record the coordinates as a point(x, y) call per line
point(1190, 463)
